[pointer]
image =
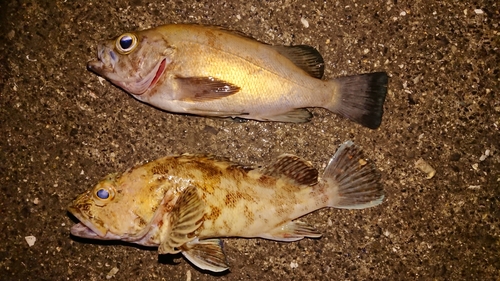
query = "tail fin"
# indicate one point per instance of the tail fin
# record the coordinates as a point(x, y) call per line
point(361, 98)
point(354, 182)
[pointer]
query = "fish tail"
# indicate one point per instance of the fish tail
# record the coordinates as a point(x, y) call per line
point(361, 98)
point(352, 181)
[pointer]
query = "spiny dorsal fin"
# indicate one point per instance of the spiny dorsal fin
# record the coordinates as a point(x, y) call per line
point(185, 218)
point(293, 168)
point(204, 88)
point(206, 254)
point(305, 57)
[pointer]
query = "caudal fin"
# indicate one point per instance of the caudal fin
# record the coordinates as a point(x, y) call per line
point(361, 98)
point(354, 182)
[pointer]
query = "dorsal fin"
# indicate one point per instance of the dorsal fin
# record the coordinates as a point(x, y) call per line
point(305, 57)
point(294, 168)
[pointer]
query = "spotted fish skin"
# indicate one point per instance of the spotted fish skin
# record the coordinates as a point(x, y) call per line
point(210, 71)
point(186, 203)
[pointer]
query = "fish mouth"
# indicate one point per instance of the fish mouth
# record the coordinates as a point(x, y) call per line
point(85, 228)
point(134, 86)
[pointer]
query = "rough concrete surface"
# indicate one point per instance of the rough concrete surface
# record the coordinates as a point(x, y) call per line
point(62, 130)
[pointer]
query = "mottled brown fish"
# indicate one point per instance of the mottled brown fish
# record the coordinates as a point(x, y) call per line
point(187, 203)
point(210, 71)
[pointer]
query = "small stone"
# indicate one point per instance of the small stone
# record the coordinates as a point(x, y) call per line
point(36, 201)
point(425, 167)
point(30, 240)
point(294, 265)
point(304, 22)
point(101, 80)
point(112, 273)
point(11, 34)
point(478, 11)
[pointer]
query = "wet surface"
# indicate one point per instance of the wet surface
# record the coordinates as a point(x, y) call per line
point(62, 130)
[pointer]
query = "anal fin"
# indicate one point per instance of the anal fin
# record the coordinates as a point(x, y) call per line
point(292, 231)
point(298, 115)
point(206, 254)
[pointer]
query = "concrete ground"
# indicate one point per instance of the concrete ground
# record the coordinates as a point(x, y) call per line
point(62, 130)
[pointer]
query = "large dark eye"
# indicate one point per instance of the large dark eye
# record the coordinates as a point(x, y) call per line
point(126, 43)
point(102, 193)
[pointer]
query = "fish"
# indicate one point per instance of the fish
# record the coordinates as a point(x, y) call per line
point(188, 203)
point(215, 72)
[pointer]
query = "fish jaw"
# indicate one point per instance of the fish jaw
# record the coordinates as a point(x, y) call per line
point(86, 229)
point(108, 63)
point(83, 231)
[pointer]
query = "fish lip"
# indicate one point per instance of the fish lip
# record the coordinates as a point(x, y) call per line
point(96, 66)
point(79, 228)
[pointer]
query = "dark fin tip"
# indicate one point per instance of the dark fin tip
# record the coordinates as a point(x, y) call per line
point(362, 98)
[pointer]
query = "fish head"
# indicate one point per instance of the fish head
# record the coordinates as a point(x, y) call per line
point(133, 61)
point(105, 214)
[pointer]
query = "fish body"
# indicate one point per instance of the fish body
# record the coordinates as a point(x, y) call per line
point(186, 203)
point(210, 71)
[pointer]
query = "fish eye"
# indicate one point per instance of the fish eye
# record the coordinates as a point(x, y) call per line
point(126, 43)
point(102, 193)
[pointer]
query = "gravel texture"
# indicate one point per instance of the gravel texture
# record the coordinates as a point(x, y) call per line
point(62, 129)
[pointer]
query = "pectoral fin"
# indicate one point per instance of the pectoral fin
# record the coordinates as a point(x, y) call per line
point(206, 254)
point(184, 219)
point(204, 88)
point(292, 231)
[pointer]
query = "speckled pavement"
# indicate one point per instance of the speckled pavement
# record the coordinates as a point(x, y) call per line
point(62, 129)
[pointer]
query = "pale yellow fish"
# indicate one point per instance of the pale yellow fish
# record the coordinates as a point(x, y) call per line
point(187, 203)
point(209, 71)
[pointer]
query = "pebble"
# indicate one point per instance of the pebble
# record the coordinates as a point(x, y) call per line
point(425, 167)
point(30, 240)
point(112, 273)
point(304, 22)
